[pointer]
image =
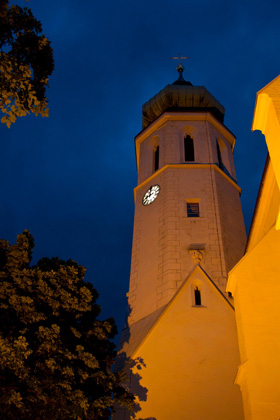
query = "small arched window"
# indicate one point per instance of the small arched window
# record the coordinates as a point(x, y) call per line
point(220, 162)
point(189, 148)
point(197, 297)
point(156, 158)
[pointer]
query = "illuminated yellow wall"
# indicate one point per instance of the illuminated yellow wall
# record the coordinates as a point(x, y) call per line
point(255, 280)
point(191, 356)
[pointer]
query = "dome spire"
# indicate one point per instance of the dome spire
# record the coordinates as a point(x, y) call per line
point(180, 68)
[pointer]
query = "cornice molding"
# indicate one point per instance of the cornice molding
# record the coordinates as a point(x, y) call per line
point(186, 166)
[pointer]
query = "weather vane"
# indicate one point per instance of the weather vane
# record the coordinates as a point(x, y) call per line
point(180, 68)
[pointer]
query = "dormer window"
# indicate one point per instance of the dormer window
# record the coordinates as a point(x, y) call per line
point(189, 149)
point(156, 158)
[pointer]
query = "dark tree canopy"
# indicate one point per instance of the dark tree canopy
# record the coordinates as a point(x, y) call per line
point(26, 62)
point(55, 354)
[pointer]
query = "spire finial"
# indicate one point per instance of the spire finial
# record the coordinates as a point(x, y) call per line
point(180, 68)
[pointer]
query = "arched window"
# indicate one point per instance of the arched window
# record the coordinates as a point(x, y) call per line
point(197, 297)
point(220, 162)
point(156, 158)
point(189, 149)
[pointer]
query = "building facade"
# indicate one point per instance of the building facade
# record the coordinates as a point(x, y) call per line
point(255, 280)
point(188, 234)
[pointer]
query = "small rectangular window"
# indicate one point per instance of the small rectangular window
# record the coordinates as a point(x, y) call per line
point(197, 297)
point(193, 209)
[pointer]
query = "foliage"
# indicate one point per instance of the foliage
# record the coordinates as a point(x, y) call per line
point(26, 61)
point(55, 355)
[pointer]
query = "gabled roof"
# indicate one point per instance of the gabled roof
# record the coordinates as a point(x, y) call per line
point(134, 335)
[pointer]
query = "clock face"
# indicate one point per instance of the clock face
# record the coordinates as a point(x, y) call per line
point(150, 195)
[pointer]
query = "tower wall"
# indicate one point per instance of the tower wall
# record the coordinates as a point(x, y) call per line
point(164, 235)
point(185, 240)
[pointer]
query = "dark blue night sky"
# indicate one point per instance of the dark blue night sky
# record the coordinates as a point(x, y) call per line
point(69, 178)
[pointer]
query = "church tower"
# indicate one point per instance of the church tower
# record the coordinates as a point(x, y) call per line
point(188, 233)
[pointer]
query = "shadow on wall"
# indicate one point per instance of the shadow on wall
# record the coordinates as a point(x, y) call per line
point(132, 368)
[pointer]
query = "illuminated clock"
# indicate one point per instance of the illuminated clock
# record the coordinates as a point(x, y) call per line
point(150, 195)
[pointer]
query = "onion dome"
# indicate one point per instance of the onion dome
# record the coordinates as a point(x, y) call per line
point(181, 96)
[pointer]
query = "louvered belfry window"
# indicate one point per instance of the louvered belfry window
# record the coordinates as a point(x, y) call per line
point(220, 162)
point(189, 148)
point(156, 158)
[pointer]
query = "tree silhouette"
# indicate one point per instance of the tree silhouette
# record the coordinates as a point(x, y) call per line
point(26, 62)
point(55, 354)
